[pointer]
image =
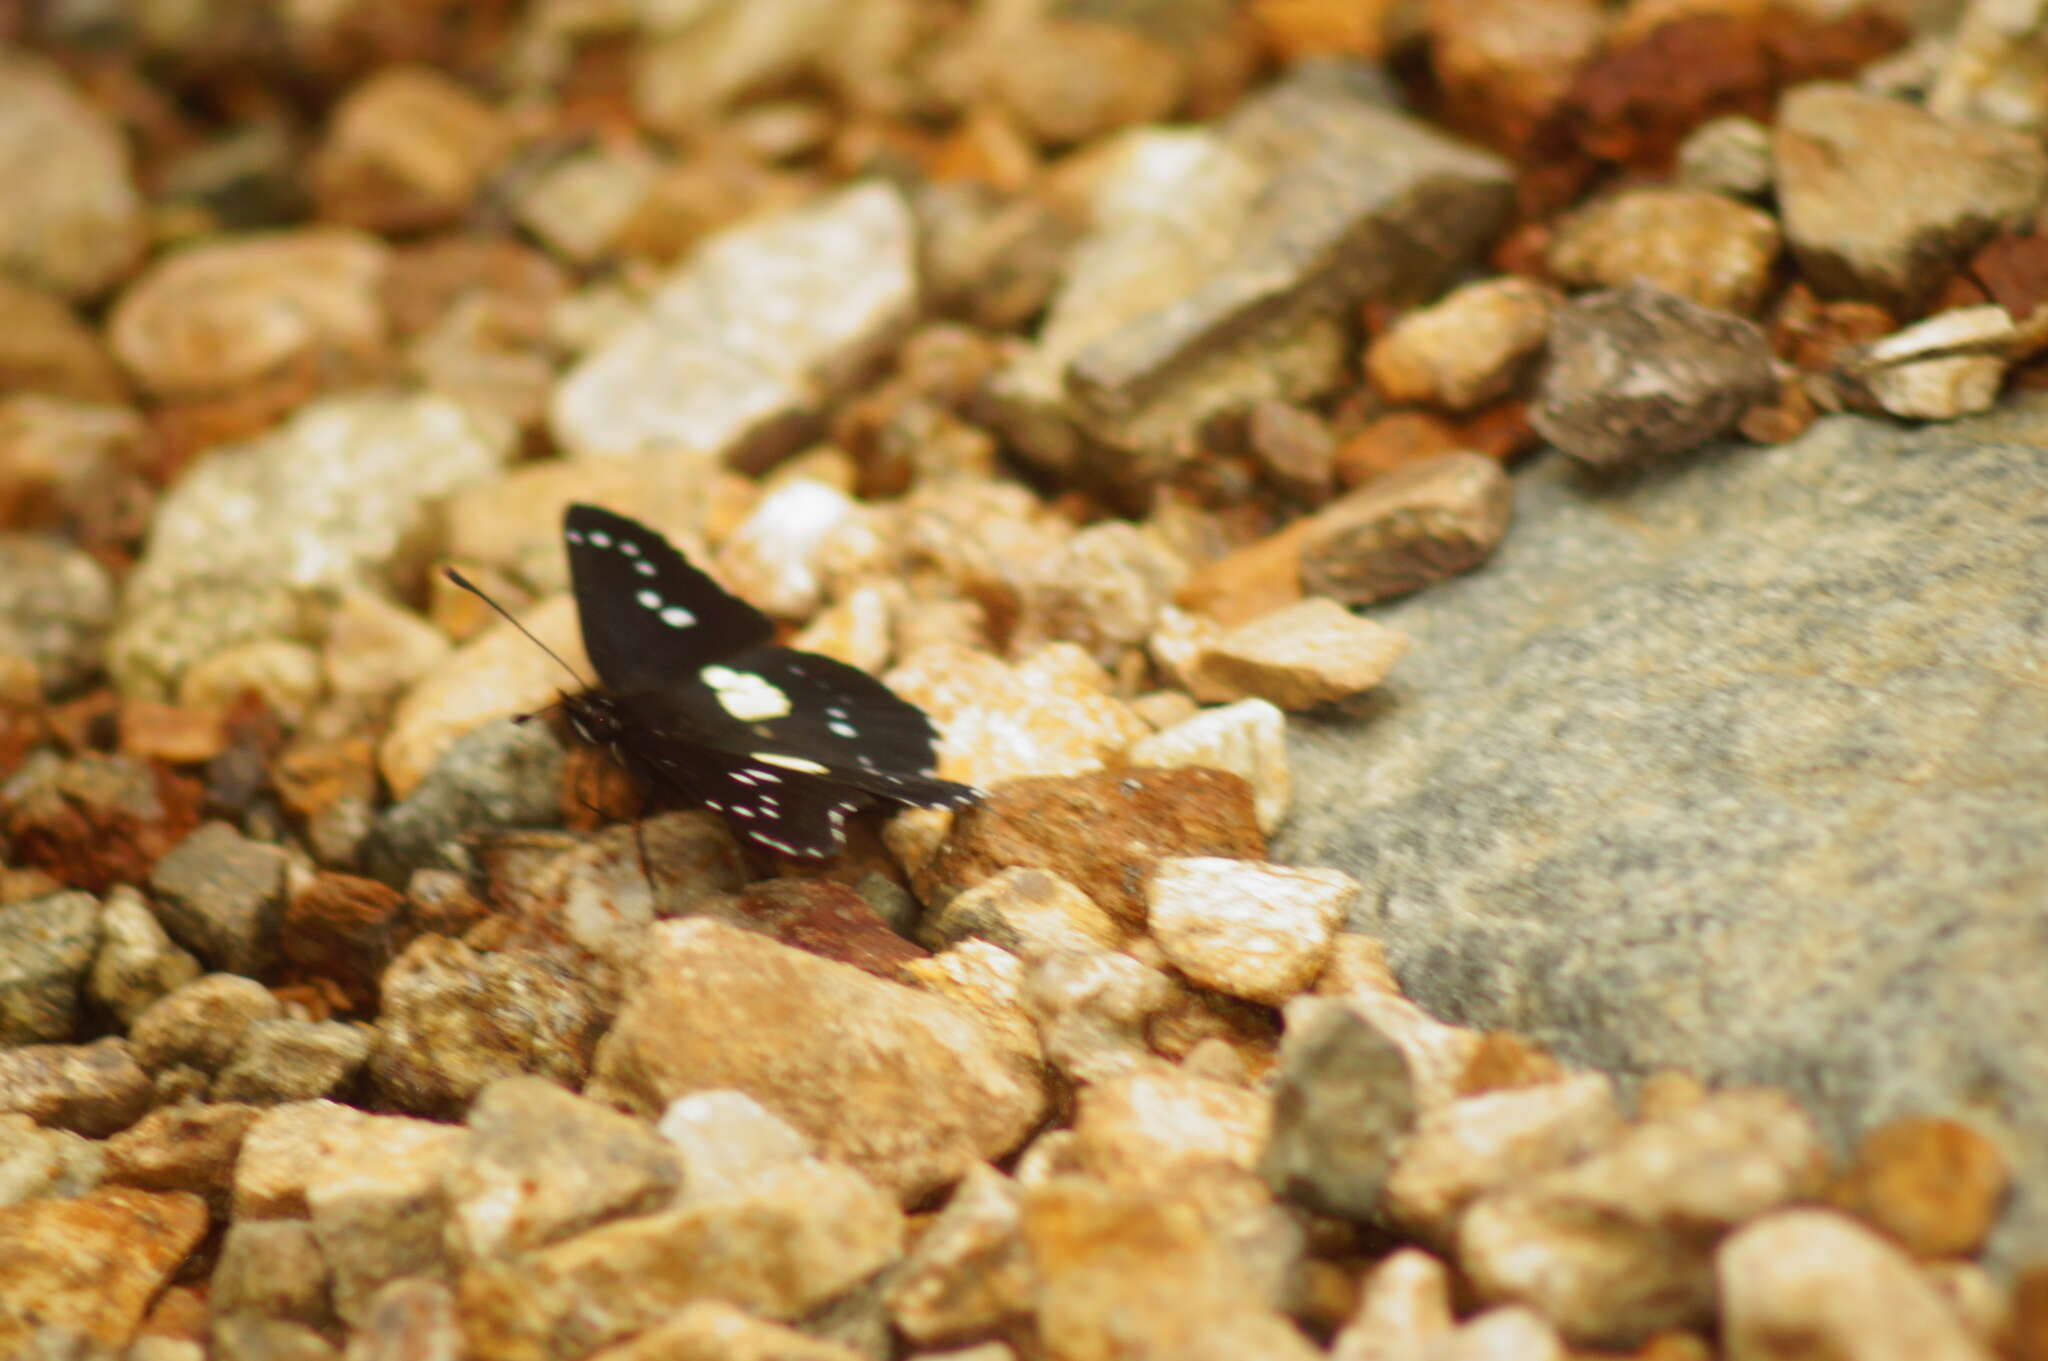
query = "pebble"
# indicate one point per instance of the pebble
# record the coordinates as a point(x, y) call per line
point(727, 1141)
point(712, 1330)
point(1101, 832)
point(71, 463)
point(1343, 1106)
point(220, 316)
point(284, 675)
point(189, 1147)
point(598, 894)
point(1510, 65)
point(36, 1162)
point(1296, 657)
point(1155, 1129)
point(1728, 155)
point(760, 326)
point(56, 604)
point(97, 819)
point(1987, 69)
point(244, 1338)
point(1101, 589)
point(1467, 1147)
point(1248, 738)
point(221, 895)
point(1093, 1010)
point(289, 1144)
point(1638, 373)
point(772, 559)
point(1128, 1272)
point(407, 148)
point(412, 1318)
point(798, 1236)
point(498, 674)
point(91, 1089)
point(288, 1059)
point(1252, 930)
point(1690, 242)
point(272, 1268)
point(1950, 364)
point(453, 1020)
point(76, 222)
point(136, 964)
point(1027, 911)
point(1933, 1186)
point(1881, 199)
point(91, 1265)
point(1467, 348)
point(1404, 1310)
point(1836, 1287)
point(46, 946)
point(1422, 523)
point(581, 205)
point(1619, 1244)
point(345, 929)
point(376, 1205)
point(1049, 714)
point(544, 1165)
point(502, 774)
point(967, 1275)
point(200, 1024)
point(352, 475)
point(1294, 447)
point(826, 919)
point(47, 349)
point(1509, 1333)
point(376, 647)
point(823, 1045)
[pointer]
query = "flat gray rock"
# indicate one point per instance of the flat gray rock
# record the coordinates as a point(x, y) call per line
point(1740, 766)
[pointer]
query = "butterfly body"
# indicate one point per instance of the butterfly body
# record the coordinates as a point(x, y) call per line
point(701, 707)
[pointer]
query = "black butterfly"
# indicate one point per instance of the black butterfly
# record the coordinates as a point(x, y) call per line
point(703, 709)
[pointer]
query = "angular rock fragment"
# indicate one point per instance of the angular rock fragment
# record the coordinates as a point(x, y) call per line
point(1410, 528)
point(1637, 373)
point(1248, 738)
point(1252, 930)
point(822, 1044)
point(90, 1266)
point(92, 1089)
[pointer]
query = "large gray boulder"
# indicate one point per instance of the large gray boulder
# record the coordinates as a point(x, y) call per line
point(1741, 766)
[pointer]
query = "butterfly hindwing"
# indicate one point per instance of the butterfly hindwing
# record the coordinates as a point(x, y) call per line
point(649, 618)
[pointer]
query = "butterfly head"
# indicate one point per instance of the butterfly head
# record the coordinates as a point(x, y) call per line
point(594, 718)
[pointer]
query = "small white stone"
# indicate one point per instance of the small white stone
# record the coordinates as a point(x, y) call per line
point(1403, 1310)
point(727, 1140)
point(1837, 1287)
point(1248, 738)
point(1942, 385)
point(1306, 654)
point(1256, 931)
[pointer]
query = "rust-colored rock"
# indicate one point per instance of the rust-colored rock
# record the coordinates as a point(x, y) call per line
point(1101, 832)
point(1934, 1186)
point(90, 1266)
point(347, 929)
point(100, 821)
point(820, 916)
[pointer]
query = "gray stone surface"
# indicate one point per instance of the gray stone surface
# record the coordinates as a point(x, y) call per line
point(503, 774)
point(221, 896)
point(46, 945)
point(1740, 765)
point(55, 605)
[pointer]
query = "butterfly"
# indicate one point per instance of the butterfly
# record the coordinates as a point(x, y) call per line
point(702, 709)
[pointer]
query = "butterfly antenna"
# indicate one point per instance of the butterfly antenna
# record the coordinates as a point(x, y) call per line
point(466, 584)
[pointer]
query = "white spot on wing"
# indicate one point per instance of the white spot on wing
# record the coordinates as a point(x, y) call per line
point(746, 695)
point(675, 616)
point(629, 548)
point(573, 535)
point(649, 599)
point(644, 568)
point(600, 539)
point(843, 729)
point(788, 762)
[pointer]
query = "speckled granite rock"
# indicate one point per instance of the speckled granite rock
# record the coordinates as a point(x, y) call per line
point(1738, 767)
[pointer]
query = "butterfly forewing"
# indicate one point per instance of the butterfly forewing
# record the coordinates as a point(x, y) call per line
point(650, 619)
